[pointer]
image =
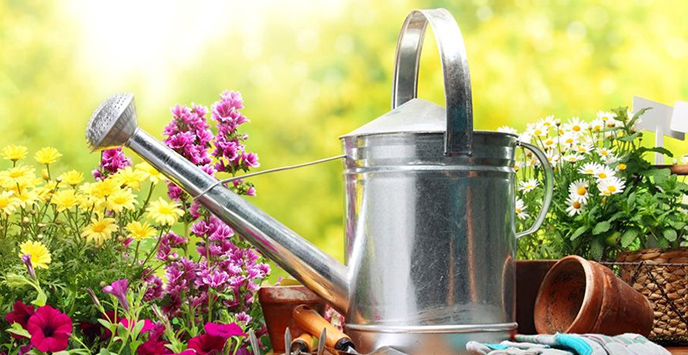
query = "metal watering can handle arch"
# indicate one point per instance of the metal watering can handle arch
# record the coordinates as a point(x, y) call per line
point(458, 138)
point(549, 188)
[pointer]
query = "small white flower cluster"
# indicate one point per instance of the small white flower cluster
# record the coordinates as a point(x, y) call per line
point(607, 184)
point(568, 144)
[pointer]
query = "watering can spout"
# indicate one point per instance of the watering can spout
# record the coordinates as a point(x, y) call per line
point(114, 124)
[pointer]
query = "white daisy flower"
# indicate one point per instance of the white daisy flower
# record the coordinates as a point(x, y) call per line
point(527, 186)
point(605, 115)
point(589, 168)
point(572, 158)
point(604, 152)
point(610, 186)
point(552, 157)
point(584, 148)
point(604, 172)
point(507, 129)
point(549, 142)
point(520, 209)
point(597, 125)
point(537, 130)
point(576, 125)
point(574, 207)
point(548, 121)
point(518, 165)
point(569, 139)
point(578, 191)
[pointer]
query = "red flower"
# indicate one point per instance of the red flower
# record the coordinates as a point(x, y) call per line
point(50, 329)
point(20, 314)
point(207, 344)
point(154, 345)
point(224, 330)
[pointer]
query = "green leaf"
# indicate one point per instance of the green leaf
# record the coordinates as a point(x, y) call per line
point(16, 281)
point(596, 249)
point(578, 232)
point(105, 323)
point(630, 138)
point(104, 351)
point(41, 298)
point(629, 236)
point(601, 227)
point(137, 328)
point(669, 234)
point(18, 330)
point(61, 353)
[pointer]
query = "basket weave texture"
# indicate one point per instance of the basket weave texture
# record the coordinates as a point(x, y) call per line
point(661, 276)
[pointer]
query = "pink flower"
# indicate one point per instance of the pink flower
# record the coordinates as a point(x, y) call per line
point(224, 330)
point(50, 329)
point(207, 344)
point(119, 290)
point(20, 314)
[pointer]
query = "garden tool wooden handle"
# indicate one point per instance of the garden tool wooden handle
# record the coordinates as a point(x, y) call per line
point(312, 322)
point(304, 343)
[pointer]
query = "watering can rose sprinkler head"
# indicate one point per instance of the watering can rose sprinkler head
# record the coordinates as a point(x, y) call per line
point(114, 124)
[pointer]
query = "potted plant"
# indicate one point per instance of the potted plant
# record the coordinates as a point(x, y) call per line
point(609, 201)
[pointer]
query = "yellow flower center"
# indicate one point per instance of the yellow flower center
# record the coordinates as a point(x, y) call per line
point(576, 128)
point(622, 166)
point(569, 141)
point(611, 188)
point(98, 227)
point(603, 176)
point(582, 191)
point(537, 132)
point(516, 168)
point(518, 210)
point(576, 204)
point(597, 127)
point(549, 142)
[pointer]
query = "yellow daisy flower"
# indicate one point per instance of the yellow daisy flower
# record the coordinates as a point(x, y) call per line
point(27, 198)
point(120, 200)
point(14, 152)
point(164, 212)
point(40, 256)
point(8, 203)
point(72, 177)
point(47, 155)
point(150, 172)
point(65, 199)
point(99, 230)
point(139, 231)
point(47, 190)
point(22, 172)
point(130, 177)
point(103, 189)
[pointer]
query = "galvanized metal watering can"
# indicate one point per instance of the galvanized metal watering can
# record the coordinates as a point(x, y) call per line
point(429, 210)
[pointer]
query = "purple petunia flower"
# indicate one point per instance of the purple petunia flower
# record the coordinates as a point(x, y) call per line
point(119, 290)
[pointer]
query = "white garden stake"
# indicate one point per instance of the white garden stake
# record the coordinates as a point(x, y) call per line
point(661, 121)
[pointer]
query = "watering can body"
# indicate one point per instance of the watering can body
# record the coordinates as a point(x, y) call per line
point(430, 232)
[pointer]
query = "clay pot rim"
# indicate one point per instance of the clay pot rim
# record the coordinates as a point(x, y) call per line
point(592, 300)
point(289, 294)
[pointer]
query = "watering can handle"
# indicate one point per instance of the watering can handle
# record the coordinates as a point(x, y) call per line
point(549, 188)
point(458, 138)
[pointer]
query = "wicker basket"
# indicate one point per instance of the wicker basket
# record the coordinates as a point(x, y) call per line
point(660, 275)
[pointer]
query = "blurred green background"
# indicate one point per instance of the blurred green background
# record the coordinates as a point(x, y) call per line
point(310, 71)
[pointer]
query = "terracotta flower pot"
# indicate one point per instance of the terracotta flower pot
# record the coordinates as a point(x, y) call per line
point(277, 303)
point(581, 296)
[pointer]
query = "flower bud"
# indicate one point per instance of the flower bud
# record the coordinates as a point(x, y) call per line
point(41, 225)
point(58, 221)
point(33, 212)
point(171, 257)
point(557, 122)
point(103, 284)
point(40, 236)
point(45, 175)
point(58, 180)
point(26, 221)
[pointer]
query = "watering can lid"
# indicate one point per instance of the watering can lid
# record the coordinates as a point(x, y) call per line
point(414, 116)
